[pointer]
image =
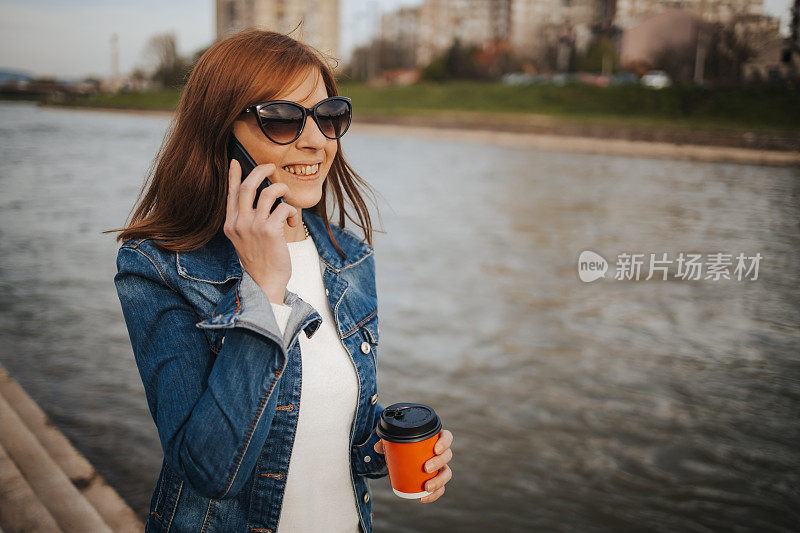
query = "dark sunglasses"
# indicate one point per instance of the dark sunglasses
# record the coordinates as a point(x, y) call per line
point(282, 121)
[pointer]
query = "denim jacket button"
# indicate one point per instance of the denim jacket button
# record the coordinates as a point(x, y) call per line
point(373, 398)
point(367, 458)
point(366, 497)
point(327, 293)
point(365, 347)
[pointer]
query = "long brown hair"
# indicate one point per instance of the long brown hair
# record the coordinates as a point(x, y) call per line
point(183, 201)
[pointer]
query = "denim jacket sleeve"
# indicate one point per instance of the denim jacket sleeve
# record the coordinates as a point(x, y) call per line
point(213, 414)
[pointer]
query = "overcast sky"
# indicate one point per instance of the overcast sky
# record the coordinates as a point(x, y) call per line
point(70, 38)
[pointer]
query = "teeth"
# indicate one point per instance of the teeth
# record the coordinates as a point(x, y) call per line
point(302, 170)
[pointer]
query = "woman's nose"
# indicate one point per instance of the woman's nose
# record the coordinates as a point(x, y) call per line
point(312, 136)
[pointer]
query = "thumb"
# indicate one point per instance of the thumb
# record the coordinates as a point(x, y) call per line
point(378, 447)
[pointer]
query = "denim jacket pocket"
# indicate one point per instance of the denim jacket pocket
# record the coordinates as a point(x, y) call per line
point(165, 500)
point(366, 461)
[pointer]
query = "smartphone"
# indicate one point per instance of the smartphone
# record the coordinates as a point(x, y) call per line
point(247, 163)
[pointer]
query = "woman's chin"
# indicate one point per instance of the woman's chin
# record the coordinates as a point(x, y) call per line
point(304, 199)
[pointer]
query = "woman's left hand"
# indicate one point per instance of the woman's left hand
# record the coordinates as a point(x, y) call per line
point(438, 462)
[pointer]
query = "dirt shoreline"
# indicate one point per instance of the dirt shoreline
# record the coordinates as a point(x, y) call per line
point(760, 147)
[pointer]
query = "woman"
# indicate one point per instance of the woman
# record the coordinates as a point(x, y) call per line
point(215, 294)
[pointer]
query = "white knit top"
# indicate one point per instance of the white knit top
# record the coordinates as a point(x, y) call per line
point(319, 494)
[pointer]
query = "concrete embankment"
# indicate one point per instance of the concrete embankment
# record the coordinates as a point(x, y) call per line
point(45, 483)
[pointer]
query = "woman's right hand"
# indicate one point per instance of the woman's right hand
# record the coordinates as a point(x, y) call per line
point(257, 234)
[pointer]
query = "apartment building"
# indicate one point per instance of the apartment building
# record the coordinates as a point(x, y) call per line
point(315, 22)
point(628, 13)
point(471, 21)
point(537, 24)
point(401, 27)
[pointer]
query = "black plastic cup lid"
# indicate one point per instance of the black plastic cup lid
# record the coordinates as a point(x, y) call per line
point(408, 422)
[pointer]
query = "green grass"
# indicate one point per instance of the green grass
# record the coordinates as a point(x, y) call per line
point(757, 107)
point(754, 108)
point(164, 100)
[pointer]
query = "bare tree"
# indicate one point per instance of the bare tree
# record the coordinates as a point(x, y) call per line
point(728, 51)
point(169, 69)
point(677, 62)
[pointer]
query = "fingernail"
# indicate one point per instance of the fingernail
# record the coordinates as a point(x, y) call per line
point(428, 468)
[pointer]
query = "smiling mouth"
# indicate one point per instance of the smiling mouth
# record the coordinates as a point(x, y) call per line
point(303, 171)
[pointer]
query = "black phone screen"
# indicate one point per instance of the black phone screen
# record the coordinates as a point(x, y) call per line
point(247, 163)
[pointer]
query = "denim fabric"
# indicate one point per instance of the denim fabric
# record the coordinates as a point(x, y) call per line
point(223, 383)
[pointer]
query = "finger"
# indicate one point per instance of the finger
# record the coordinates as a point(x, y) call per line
point(294, 219)
point(281, 213)
point(268, 197)
point(443, 477)
point(234, 179)
point(378, 447)
point(433, 496)
point(234, 176)
point(445, 441)
point(438, 461)
point(247, 190)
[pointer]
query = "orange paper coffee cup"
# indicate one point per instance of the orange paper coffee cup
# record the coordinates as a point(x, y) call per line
point(409, 432)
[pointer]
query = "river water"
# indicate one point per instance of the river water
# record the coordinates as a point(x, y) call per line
point(616, 405)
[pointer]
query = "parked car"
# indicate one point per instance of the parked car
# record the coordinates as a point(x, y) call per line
point(623, 78)
point(656, 79)
point(517, 78)
point(596, 80)
point(522, 78)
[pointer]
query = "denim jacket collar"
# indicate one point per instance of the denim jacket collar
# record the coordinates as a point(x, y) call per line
point(218, 262)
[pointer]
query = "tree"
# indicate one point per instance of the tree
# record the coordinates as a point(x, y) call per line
point(720, 50)
point(677, 62)
point(457, 62)
point(728, 51)
point(496, 58)
point(169, 68)
point(460, 60)
point(602, 49)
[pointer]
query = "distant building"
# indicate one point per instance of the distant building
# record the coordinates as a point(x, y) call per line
point(318, 20)
point(540, 24)
point(762, 33)
point(402, 27)
point(767, 65)
point(551, 33)
point(542, 27)
point(685, 38)
point(628, 13)
point(672, 30)
point(471, 21)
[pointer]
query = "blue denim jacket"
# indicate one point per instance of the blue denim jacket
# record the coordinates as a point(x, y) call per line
point(222, 382)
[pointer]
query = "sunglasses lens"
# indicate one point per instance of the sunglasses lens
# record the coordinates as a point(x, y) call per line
point(334, 118)
point(282, 122)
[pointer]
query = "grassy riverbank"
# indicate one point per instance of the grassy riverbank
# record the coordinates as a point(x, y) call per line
point(752, 108)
